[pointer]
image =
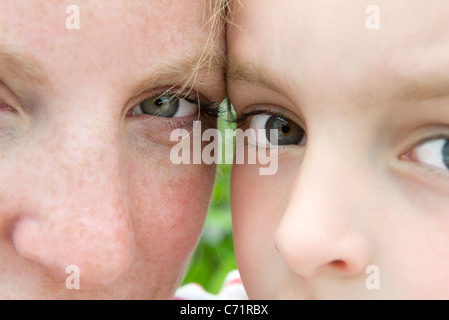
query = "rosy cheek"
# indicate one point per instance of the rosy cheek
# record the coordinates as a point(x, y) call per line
point(255, 200)
point(170, 204)
point(248, 215)
point(257, 206)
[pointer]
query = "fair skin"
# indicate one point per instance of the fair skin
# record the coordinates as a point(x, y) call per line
point(363, 174)
point(86, 177)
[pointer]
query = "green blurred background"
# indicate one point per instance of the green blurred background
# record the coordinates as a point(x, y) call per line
point(214, 257)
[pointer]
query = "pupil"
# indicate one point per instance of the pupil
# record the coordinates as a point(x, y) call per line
point(159, 102)
point(160, 106)
point(285, 129)
point(288, 132)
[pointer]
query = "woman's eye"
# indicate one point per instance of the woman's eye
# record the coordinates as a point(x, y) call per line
point(6, 107)
point(434, 152)
point(167, 106)
point(286, 131)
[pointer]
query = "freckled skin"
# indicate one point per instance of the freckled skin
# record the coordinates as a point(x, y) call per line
point(82, 183)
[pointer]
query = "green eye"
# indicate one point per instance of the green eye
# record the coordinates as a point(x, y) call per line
point(167, 106)
point(287, 132)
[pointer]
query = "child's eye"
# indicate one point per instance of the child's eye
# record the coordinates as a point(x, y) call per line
point(434, 152)
point(287, 132)
point(167, 106)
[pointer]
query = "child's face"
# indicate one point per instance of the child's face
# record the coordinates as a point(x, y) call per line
point(85, 170)
point(359, 205)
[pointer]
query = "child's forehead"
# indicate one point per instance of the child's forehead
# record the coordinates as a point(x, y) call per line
point(340, 26)
point(320, 41)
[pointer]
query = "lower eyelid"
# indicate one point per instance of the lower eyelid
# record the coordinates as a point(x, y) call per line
point(156, 130)
point(174, 125)
point(170, 124)
point(438, 174)
point(425, 173)
point(167, 120)
point(420, 175)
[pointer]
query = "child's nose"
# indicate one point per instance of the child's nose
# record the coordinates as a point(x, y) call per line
point(322, 229)
point(77, 214)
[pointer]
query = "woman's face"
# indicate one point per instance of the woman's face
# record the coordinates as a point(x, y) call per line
point(358, 206)
point(85, 170)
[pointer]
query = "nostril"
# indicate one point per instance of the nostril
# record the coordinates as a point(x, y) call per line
point(340, 264)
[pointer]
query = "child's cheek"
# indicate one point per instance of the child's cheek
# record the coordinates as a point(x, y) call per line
point(254, 217)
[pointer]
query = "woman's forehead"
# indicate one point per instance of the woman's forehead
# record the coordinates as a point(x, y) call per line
point(136, 23)
point(125, 40)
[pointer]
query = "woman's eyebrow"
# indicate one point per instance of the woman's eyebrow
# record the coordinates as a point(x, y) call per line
point(20, 65)
point(182, 70)
point(17, 65)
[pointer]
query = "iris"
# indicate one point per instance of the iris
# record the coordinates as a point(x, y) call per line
point(165, 106)
point(446, 154)
point(288, 132)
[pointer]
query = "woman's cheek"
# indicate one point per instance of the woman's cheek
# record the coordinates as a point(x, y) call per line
point(170, 204)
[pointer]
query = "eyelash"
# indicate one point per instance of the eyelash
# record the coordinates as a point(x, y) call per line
point(432, 137)
point(411, 147)
point(241, 120)
point(208, 110)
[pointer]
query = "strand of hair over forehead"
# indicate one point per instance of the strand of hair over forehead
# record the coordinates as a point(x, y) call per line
point(217, 13)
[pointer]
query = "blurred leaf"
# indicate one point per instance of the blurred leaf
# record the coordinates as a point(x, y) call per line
point(214, 256)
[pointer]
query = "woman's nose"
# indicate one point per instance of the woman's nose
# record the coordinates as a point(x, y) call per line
point(77, 213)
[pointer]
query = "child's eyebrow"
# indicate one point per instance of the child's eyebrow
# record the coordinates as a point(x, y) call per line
point(239, 71)
point(419, 87)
